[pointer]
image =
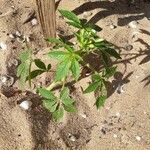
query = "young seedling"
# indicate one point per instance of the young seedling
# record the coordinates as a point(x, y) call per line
point(72, 58)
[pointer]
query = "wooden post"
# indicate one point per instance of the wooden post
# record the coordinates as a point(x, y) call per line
point(47, 17)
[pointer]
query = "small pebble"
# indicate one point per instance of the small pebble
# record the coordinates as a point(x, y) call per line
point(112, 26)
point(72, 138)
point(118, 114)
point(137, 77)
point(18, 33)
point(11, 36)
point(6, 80)
point(34, 22)
point(133, 24)
point(138, 138)
point(87, 14)
point(115, 136)
point(83, 115)
point(25, 104)
point(3, 79)
point(3, 46)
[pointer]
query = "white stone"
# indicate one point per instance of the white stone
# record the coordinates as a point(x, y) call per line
point(3, 46)
point(115, 136)
point(118, 114)
point(25, 104)
point(87, 14)
point(72, 138)
point(133, 24)
point(34, 22)
point(83, 115)
point(138, 138)
point(18, 33)
point(11, 36)
point(112, 26)
point(3, 79)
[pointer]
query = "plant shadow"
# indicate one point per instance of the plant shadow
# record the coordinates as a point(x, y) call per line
point(117, 84)
point(117, 7)
point(41, 121)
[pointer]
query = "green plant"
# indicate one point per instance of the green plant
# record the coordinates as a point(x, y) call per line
point(72, 59)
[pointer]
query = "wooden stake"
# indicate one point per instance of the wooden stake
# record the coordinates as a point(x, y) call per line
point(47, 17)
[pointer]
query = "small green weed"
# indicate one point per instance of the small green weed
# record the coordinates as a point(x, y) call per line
point(71, 61)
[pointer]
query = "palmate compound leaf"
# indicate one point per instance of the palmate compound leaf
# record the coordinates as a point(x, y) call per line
point(24, 56)
point(70, 108)
point(46, 94)
point(100, 101)
point(20, 69)
point(64, 96)
point(50, 104)
point(92, 87)
point(75, 69)
point(70, 16)
point(58, 114)
point(22, 73)
point(64, 93)
point(35, 73)
point(75, 24)
point(60, 55)
point(40, 64)
point(112, 52)
point(109, 72)
point(63, 69)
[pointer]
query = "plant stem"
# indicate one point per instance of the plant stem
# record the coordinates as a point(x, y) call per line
point(30, 74)
point(53, 85)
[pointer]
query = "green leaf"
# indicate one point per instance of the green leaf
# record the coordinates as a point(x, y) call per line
point(69, 15)
point(49, 67)
point(75, 24)
point(70, 108)
point(24, 74)
point(69, 48)
point(60, 55)
point(105, 59)
point(100, 101)
point(54, 40)
point(67, 101)
point(35, 73)
point(64, 93)
point(51, 105)
point(46, 94)
point(75, 68)
point(20, 69)
point(63, 70)
point(92, 87)
point(58, 114)
point(109, 72)
point(24, 56)
point(112, 52)
point(40, 64)
point(96, 77)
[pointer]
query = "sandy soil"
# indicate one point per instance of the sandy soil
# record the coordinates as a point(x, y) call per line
point(123, 123)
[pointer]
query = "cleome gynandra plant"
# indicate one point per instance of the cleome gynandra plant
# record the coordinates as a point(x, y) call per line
point(72, 59)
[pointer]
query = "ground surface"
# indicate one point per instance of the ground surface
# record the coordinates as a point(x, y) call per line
point(124, 122)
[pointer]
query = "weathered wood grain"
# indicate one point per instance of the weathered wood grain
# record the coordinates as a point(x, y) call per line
point(47, 17)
